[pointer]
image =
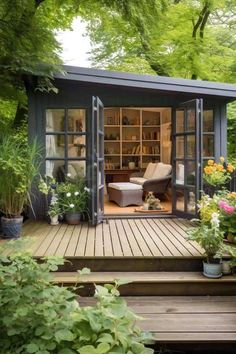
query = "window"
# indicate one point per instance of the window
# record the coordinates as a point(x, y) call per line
point(65, 143)
point(208, 134)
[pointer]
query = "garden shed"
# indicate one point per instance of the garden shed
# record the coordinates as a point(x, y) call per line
point(110, 126)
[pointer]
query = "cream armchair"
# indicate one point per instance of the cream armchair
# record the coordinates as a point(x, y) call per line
point(156, 178)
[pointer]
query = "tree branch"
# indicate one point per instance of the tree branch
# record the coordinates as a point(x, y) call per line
point(203, 24)
point(38, 2)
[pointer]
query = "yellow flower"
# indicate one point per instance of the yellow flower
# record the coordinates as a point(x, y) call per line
point(210, 162)
point(220, 168)
point(222, 159)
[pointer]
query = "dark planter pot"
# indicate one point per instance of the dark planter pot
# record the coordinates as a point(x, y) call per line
point(212, 270)
point(11, 228)
point(73, 218)
point(211, 190)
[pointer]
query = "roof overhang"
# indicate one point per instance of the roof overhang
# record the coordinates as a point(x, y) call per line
point(151, 82)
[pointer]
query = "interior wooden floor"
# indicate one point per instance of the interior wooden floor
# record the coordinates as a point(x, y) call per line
point(111, 208)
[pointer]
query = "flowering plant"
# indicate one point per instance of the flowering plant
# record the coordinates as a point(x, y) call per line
point(216, 174)
point(73, 196)
point(227, 208)
point(209, 236)
point(48, 186)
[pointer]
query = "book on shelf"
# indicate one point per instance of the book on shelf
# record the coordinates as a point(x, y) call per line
point(151, 135)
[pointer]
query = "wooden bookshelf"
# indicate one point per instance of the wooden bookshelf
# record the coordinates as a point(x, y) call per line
point(132, 135)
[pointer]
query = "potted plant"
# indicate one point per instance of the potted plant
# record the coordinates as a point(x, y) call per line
point(18, 167)
point(210, 237)
point(48, 187)
point(54, 212)
point(73, 199)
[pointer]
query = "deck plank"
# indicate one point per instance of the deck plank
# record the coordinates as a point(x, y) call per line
point(198, 319)
point(140, 239)
point(89, 251)
point(192, 245)
point(108, 250)
point(72, 245)
point(172, 237)
point(184, 242)
point(151, 244)
point(132, 240)
point(52, 248)
point(99, 245)
point(115, 239)
point(42, 249)
point(163, 238)
point(61, 249)
point(81, 245)
point(151, 238)
point(123, 239)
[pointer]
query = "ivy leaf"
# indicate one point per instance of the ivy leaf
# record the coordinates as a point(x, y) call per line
point(66, 351)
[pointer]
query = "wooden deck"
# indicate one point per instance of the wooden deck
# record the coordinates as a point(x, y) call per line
point(145, 238)
point(208, 319)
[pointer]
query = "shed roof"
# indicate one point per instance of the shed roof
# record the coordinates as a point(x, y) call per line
point(160, 83)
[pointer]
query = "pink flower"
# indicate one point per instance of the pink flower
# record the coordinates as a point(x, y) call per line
point(226, 207)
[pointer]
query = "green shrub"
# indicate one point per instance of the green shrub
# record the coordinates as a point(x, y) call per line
point(37, 316)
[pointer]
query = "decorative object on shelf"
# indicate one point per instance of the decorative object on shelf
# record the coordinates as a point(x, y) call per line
point(125, 120)
point(134, 137)
point(131, 165)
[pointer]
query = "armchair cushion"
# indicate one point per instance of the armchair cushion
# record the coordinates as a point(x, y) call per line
point(138, 180)
point(150, 170)
point(162, 170)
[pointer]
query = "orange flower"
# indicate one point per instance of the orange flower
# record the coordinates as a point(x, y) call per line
point(210, 162)
point(232, 195)
point(230, 168)
point(222, 159)
point(208, 170)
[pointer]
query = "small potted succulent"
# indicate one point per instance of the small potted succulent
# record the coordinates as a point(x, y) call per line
point(210, 237)
point(73, 199)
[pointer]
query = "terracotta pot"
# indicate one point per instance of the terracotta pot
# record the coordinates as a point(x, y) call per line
point(12, 228)
point(73, 218)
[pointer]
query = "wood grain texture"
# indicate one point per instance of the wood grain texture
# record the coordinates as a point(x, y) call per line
point(153, 238)
point(185, 319)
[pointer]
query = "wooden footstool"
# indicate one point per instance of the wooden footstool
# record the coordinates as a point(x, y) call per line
point(125, 193)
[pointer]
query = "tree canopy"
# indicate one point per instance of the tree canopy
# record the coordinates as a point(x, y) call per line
point(185, 38)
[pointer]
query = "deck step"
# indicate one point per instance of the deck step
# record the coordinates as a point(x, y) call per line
point(173, 320)
point(152, 283)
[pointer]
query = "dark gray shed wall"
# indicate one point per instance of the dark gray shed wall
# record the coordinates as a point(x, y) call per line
point(78, 94)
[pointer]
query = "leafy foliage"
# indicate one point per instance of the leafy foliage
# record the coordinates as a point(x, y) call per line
point(19, 165)
point(37, 316)
point(191, 39)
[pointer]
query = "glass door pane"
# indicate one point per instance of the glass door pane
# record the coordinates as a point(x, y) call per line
point(97, 141)
point(187, 158)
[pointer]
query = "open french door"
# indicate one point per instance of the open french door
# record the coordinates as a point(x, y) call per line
point(187, 157)
point(97, 158)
